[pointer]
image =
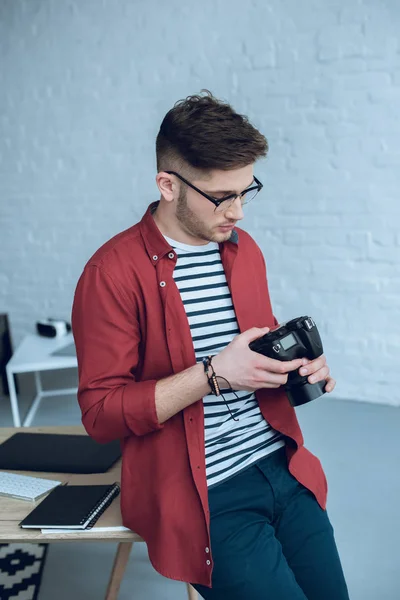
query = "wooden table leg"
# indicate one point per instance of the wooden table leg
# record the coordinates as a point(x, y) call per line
point(118, 570)
point(192, 593)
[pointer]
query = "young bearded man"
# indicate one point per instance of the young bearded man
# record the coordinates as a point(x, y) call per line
point(219, 485)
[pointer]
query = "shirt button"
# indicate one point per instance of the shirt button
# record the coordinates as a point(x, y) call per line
point(207, 550)
point(162, 284)
point(171, 255)
point(155, 257)
point(208, 562)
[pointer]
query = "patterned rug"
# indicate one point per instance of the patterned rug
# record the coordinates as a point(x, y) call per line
point(21, 569)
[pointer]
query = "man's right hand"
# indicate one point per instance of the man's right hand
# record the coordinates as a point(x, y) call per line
point(248, 370)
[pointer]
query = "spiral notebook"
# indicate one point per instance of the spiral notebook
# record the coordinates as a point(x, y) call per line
point(71, 507)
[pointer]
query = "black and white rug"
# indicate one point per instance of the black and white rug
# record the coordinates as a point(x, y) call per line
point(21, 569)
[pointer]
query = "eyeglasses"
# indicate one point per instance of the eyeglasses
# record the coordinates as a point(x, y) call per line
point(222, 204)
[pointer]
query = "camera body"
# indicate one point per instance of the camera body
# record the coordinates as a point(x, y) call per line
point(298, 338)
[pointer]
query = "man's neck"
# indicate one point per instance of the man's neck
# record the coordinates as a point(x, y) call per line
point(172, 229)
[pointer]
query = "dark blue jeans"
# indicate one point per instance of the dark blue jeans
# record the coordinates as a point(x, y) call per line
point(270, 539)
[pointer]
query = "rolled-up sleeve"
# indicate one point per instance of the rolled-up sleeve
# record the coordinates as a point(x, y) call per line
point(107, 336)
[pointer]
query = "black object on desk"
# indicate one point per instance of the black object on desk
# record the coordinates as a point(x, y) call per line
point(71, 507)
point(57, 453)
point(6, 352)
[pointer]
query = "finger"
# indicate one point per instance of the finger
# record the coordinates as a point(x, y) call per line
point(319, 375)
point(269, 379)
point(278, 366)
point(313, 366)
point(330, 385)
point(254, 333)
point(321, 358)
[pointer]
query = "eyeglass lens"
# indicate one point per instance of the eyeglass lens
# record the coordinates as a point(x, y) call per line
point(245, 199)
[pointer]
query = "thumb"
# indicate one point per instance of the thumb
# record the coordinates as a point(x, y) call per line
point(254, 333)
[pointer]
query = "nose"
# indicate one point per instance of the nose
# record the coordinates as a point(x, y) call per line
point(235, 211)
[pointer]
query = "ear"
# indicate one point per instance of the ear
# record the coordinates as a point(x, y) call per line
point(166, 185)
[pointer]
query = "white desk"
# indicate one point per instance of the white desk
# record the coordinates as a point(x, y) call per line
point(33, 356)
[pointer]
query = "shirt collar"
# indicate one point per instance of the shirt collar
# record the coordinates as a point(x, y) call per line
point(155, 243)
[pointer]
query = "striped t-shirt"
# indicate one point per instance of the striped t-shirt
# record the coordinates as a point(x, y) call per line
point(230, 445)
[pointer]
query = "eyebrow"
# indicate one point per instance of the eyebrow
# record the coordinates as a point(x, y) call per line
point(226, 192)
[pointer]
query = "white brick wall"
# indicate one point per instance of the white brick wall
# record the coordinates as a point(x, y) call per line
point(83, 89)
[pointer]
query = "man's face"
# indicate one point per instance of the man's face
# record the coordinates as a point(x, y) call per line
point(196, 215)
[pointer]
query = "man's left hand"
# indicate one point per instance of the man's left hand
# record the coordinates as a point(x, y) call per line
point(318, 370)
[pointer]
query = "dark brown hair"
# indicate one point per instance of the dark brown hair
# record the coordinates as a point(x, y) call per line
point(205, 133)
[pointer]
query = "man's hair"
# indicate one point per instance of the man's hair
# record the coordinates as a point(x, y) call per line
point(204, 133)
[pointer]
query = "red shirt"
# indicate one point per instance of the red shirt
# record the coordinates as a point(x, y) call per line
point(130, 330)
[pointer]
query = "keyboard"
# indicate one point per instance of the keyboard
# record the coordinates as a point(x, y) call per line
point(25, 487)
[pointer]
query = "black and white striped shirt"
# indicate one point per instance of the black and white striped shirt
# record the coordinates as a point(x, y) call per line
point(230, 445)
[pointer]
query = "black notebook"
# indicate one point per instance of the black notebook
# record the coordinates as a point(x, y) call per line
point(71, 507)
point(57, 453)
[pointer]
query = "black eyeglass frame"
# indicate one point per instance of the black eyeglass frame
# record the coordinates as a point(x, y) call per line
point(218, 201)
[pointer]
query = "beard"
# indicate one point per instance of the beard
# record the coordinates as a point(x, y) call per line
point(193, 225)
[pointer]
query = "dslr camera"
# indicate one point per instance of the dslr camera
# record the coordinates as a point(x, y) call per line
point(298, 338)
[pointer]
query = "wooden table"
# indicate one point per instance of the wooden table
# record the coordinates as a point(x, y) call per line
point(12, 511)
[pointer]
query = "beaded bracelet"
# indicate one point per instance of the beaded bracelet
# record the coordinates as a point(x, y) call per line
point(213, 383)
point(212, 379)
